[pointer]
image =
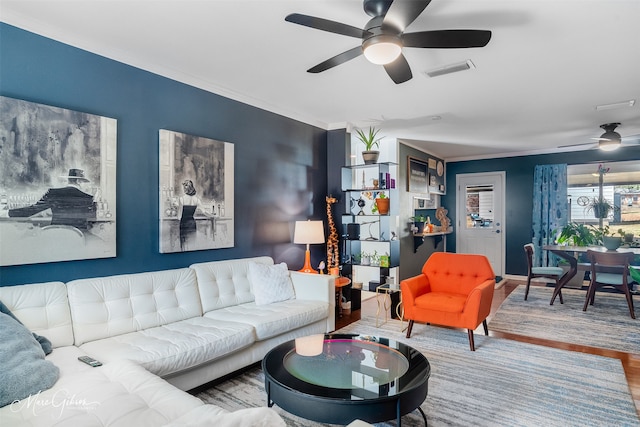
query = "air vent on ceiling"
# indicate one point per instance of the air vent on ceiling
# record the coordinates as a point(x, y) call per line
point(616, 105)
point(451, 68)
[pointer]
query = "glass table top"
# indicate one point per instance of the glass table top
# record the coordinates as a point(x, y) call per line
point(347, 364)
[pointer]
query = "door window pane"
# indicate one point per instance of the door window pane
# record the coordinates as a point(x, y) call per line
point(479, 206)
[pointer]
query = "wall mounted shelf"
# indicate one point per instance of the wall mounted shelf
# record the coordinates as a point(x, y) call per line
point(418, 239)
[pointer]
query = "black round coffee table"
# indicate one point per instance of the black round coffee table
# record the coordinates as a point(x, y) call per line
point(353, 377)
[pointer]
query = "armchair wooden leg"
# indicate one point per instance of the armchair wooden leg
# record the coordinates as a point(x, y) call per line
point(409, 328)
point(472, 345)
point(526, 290)
point(486, 328)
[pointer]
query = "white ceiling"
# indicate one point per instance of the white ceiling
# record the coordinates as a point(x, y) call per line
point(535, 86)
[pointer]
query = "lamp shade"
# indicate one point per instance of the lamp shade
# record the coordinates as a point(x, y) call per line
point(310, 346)
point(609, 145)
point(382, 49)
point(308, 232)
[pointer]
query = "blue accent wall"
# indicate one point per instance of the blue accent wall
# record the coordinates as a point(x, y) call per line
point(280, 163)
point(519, 193)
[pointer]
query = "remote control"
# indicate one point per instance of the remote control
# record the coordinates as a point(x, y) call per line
point(89, 361)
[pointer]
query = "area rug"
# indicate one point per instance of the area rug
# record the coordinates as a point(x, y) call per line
point(606, 324)
point(502, 383)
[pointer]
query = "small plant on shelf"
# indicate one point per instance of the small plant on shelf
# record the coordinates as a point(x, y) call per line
point(370, 140)
point(380, 204)
point(375, 259)
point(419, 222)
point(365, 258)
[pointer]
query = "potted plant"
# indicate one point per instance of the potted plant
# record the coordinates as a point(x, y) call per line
point(369, 155)
point(600, 207)
point(418, 222)
point(381, 205)
point(365, 258)
point(577, 234)
point(375, 259)
point(610, 239)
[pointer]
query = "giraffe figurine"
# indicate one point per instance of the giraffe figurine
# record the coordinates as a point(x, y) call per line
point(333, 255)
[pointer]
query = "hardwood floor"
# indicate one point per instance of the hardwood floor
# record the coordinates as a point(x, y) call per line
point(630, 361)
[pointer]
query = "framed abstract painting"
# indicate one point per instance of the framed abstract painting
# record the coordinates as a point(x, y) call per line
point(196, 193)
point(57, 184)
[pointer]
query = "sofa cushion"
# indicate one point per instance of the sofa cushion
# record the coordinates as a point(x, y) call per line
point(66, 359)
point(441, 301)
point(225, 283)
point(116, 394)
point(23, 369)
point(43, 308)
point(44, 342)
point(273, 319)
point(270, 283)
point(107, 306)
point(174, 347)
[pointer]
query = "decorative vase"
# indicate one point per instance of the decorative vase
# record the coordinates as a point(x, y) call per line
point(419, 226)
point(370, 157)
point(383, 205)
point(611, 242)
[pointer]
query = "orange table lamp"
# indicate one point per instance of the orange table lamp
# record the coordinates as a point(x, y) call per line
point(308, 233)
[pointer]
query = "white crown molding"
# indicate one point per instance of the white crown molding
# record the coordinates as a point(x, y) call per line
point(43, 29)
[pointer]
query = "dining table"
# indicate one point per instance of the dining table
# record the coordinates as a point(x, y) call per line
point(571, 254)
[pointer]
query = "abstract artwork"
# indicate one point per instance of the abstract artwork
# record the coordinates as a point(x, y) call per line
point(196, 193)
point(57, 184)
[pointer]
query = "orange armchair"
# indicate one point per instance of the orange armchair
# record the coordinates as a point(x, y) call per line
point(453, 290)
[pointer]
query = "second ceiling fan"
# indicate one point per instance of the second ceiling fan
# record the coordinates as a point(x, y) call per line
point(383, 37)
point(610, 140)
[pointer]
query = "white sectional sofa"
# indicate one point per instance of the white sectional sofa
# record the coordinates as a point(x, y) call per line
point(157, 334)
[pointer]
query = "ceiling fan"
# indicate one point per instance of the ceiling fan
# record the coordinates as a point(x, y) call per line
point(383, 37)
point(610, 140)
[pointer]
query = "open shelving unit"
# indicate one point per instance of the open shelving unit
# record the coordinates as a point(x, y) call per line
point(368, 231)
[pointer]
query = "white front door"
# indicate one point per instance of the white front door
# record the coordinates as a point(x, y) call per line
point(480, 223)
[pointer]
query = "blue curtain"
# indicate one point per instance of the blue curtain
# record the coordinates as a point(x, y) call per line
point(550, 208)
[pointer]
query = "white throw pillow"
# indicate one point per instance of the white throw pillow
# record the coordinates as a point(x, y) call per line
point(270, 283)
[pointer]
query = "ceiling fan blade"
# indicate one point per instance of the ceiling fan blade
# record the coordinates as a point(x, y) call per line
point(631, 139)
point(593, 145)
point(337, 60)
point(327, 25)
point(399, 70)
point(402, 13)
point(447, 39)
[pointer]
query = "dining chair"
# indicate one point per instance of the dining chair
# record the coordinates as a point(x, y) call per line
point(553, 273)
point(602, 265)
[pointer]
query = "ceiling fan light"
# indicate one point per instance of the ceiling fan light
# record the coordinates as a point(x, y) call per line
point(609, 145)
point(382, 49)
